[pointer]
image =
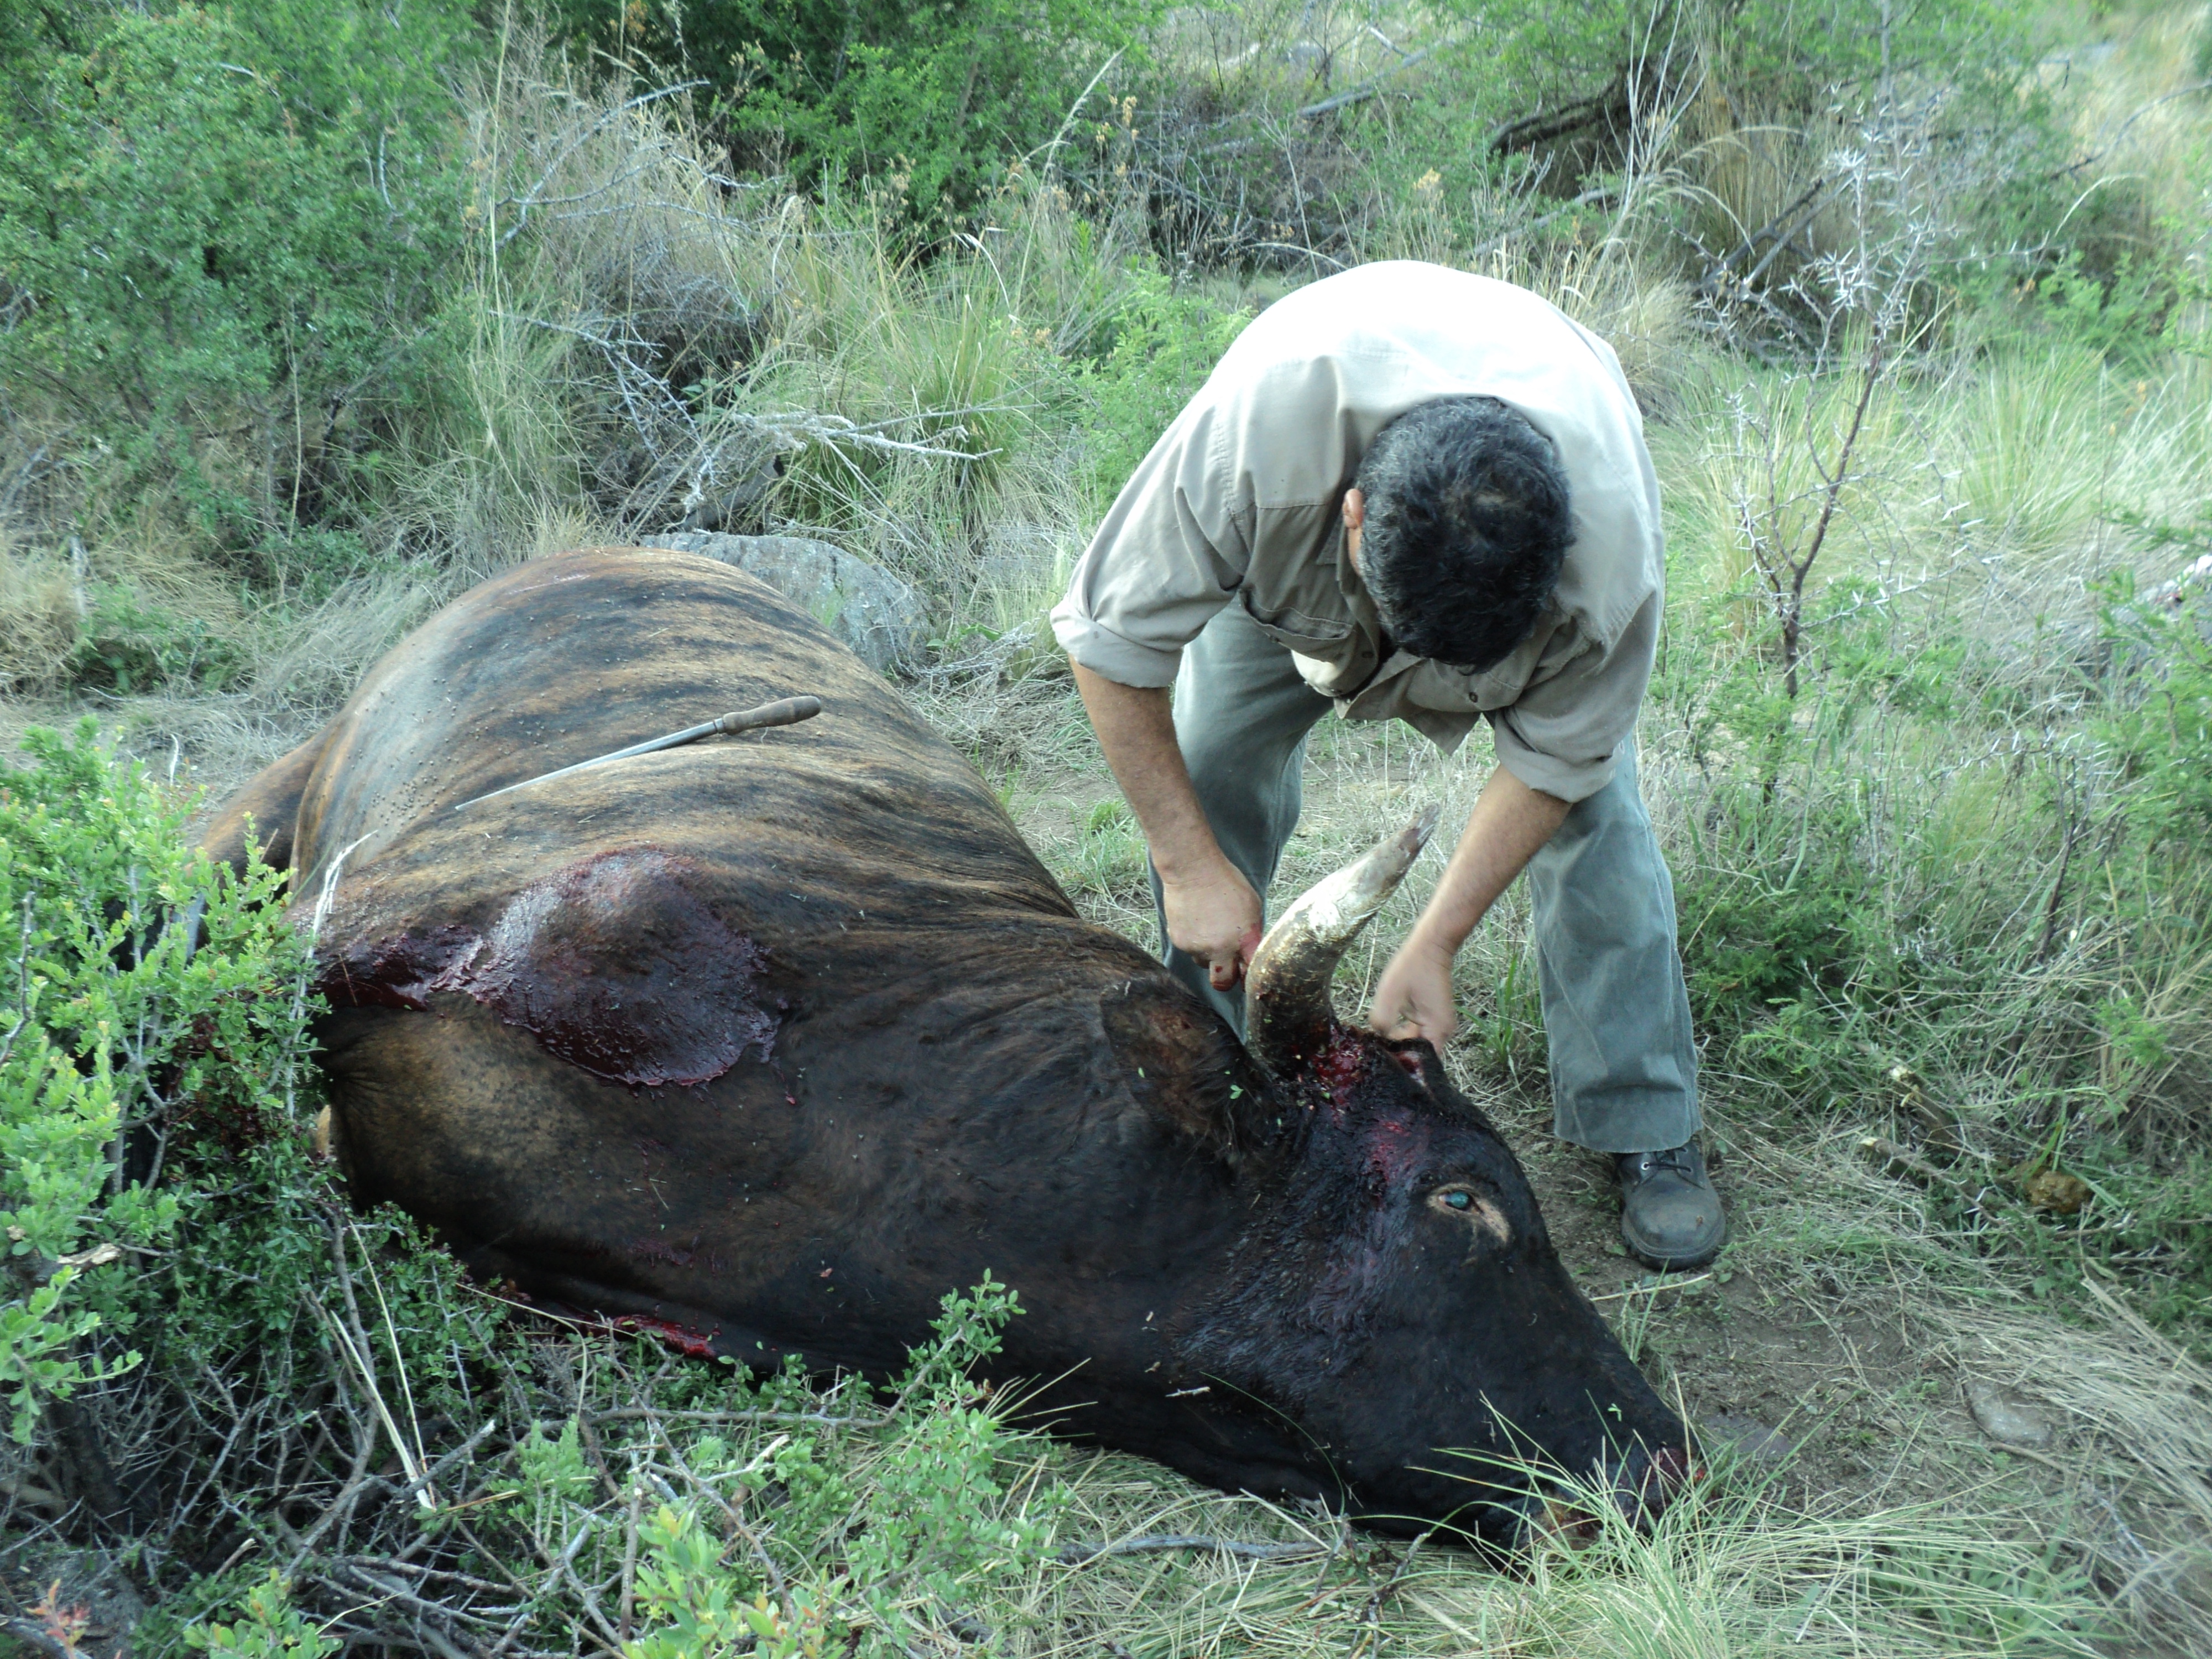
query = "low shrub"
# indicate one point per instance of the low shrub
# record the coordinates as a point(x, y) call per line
point(206, 1350)
point(149, 1000)
point(220, 236)
point(1896, 903)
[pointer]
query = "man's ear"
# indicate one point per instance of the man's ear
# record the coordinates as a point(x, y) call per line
point(1355, 519)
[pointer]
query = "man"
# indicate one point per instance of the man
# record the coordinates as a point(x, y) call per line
point(1422, 495)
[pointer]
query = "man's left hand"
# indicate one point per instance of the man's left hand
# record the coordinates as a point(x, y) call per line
point(1509, 821)
point(1414, 998)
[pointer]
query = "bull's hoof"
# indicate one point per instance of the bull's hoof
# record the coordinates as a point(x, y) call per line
point(1669, 1213)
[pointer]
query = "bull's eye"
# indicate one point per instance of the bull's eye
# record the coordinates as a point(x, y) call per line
point(1473, 1206)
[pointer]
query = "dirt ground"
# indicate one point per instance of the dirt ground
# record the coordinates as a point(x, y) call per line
point(1839, 1396)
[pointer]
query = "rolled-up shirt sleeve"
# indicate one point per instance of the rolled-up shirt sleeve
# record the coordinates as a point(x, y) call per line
point(1564, 735)
point(1170, 554)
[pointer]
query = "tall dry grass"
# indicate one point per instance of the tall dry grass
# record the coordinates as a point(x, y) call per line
point(41, 605)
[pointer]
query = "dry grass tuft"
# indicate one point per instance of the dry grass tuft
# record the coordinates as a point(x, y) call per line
point(41, 609)
point(1735, 1569)
point(2139, 1416)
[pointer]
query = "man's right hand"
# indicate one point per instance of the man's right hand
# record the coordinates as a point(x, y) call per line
point(1213, 918)
point(1213, 915)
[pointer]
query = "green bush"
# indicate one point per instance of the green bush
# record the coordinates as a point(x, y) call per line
point(919, 1516)
point(268, 1626)
point(148, 997)
point(221, 232)
point(127, 642)
point(1152, 355)
point(2159, 720)
point(930, 102)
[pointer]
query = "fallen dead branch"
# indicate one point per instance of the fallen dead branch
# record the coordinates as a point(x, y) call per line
point(1084, 1555)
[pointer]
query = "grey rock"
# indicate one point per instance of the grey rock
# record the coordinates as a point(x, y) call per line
point(2009, 1417)
point(1747, 1436)
point(872, 611)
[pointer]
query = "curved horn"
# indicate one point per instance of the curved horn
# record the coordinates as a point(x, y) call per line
point(1286, 1005)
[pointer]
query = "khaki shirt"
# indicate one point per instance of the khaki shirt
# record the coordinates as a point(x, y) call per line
point(1241, 500)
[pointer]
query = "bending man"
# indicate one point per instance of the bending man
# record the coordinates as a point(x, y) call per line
point(1412, 493)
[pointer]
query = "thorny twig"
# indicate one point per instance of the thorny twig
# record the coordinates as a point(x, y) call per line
point(1372, 1615)
point(1084, 1555)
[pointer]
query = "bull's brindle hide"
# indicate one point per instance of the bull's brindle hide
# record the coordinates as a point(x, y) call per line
point(773, 1039)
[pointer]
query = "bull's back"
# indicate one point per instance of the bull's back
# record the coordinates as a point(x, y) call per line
point(572, 657)
point(807, 858)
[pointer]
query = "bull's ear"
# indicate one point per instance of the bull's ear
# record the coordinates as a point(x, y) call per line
point(1181, 1060)
point(1419, 1055)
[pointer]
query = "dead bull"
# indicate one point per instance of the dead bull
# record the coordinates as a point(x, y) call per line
point(771, 1040)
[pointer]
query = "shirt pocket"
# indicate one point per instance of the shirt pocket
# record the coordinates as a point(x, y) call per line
point(1308, 635)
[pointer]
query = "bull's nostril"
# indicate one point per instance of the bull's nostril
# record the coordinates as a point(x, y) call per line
point(1672, 1469)
point(1661, 1479)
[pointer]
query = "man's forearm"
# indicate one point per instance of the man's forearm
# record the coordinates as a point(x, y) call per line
point(1136, 728)
point(1209, 910)
point(1509, 823)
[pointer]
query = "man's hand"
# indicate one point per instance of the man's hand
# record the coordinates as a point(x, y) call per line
point(1213, 915)
point(1414, 998)
point(1214, 918)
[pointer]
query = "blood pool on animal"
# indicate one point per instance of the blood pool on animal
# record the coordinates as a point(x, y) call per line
point(614, 964)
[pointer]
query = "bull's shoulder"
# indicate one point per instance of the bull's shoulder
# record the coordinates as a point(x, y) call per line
point(266, 811)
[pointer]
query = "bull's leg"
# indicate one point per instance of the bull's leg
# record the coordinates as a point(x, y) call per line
point(271, 803)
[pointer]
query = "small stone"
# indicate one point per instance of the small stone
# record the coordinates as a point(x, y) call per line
point(2009, 1417)
point(1747, 1436)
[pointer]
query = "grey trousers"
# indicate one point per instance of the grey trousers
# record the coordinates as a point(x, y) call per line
point(1616, 1016)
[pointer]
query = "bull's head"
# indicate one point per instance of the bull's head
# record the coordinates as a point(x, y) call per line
point(1397, 1304)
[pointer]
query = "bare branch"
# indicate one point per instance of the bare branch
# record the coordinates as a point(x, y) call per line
point(1367, 89)
point(1084, 1555)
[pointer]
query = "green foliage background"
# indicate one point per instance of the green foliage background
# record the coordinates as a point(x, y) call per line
point(937, 99)
point(226, 230)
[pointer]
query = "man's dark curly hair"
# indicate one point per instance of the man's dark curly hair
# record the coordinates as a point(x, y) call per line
point(1467, 525)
